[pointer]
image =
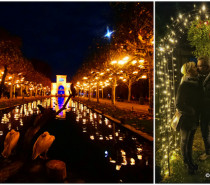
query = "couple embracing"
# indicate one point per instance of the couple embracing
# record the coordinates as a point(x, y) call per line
point(193, 102)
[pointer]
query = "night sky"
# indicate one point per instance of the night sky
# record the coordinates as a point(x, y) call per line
point(165, 10)
point(56, 33)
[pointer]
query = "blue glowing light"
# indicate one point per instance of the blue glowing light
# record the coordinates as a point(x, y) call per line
point(60, 89)
point(108, 33)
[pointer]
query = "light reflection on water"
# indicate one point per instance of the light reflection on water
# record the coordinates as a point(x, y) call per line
point(57, 104)
point(129, 151)
point(122, 148)
point(14, 118)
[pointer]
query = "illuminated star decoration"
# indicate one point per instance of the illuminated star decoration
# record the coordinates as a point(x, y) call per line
point(108, 33)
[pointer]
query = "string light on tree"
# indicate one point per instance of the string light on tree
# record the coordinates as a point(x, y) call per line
point(166, 78)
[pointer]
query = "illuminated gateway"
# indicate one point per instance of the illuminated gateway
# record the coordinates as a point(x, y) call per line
point(60, 87)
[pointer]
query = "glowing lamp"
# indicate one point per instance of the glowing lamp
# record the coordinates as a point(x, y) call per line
point(144, 76)
point(125, 58)
point(134, 62)
point(113, 62)
point(121, 62)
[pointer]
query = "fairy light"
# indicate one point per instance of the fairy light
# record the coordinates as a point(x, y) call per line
point(166, 77)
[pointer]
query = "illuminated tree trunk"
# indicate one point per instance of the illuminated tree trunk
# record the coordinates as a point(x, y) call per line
point(3, 80)
point(102, 92)
point(113, 90)
point(92, 91)
point(97, 92)
point(129, 89)
point(150, 87)
point(11, 87)
point(21, 90)
point(89, 93)
point(26, 87)
point(14, 91)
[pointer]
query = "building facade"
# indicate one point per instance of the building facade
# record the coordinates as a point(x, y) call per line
point(60, 87)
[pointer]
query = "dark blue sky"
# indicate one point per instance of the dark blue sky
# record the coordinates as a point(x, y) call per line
point(57, 33)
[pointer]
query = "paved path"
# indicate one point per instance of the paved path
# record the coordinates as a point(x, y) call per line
point(124, 105)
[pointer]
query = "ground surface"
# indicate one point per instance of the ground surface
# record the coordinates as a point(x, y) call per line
point(133, 114)
point(133, 106)
point(179, 172)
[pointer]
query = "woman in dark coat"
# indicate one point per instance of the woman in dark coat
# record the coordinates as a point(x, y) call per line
point(188, 103)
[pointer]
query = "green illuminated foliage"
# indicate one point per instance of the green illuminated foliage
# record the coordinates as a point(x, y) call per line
point(199, 37)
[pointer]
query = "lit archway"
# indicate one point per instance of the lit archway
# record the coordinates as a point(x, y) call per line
point(61, 90)
point(167, 140)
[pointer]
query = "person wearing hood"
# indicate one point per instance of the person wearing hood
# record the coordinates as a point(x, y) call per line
point(188, 103)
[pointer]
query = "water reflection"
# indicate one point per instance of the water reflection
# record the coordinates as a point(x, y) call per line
point(122, 147)
point(14, 118)
point(57, 104)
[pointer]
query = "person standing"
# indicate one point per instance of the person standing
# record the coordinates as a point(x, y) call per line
point(204, 79)
point(188, 103)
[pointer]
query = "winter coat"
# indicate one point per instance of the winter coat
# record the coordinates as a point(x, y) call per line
point(188, 102)
point(206, 94)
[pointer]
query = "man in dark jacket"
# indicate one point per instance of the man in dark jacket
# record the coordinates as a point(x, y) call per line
point(203, 66)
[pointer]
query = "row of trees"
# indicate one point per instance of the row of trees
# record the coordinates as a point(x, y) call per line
point(126, 57)
point(16, 71)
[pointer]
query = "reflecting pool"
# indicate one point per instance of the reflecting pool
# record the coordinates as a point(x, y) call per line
point(93, 147)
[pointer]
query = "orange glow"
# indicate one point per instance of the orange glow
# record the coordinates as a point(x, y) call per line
point(134, 62)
